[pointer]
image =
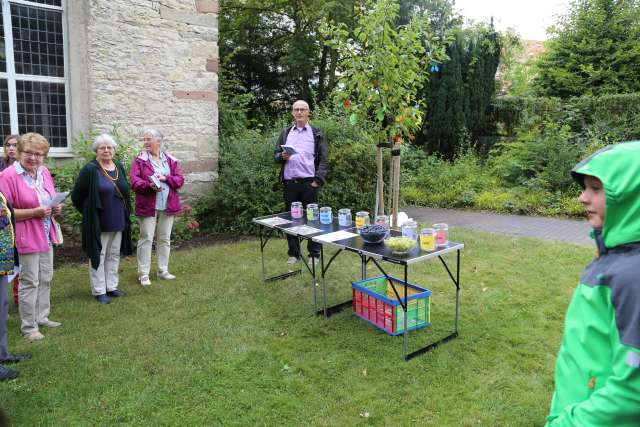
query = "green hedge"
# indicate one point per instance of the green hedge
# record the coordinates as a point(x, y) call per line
point(607, 118)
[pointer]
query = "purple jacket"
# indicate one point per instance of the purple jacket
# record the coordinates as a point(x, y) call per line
point(141, 170)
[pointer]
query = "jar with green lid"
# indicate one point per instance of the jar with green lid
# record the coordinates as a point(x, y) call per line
point(313, 212)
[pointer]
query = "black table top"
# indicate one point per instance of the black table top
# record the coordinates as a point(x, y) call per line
point(355, 243)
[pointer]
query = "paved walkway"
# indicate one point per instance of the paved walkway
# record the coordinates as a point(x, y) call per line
point(562, 230)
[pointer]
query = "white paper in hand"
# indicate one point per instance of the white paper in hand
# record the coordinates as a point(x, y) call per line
point(58, 199)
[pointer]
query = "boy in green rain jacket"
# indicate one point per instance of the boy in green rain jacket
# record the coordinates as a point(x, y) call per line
point(598, 368)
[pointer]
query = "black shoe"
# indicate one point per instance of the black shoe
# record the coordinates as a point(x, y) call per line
point(7, 374)
point(116, 293)
point(103, 299)
point(15, 358)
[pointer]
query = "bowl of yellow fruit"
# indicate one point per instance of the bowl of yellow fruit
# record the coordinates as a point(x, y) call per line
point(400, 245)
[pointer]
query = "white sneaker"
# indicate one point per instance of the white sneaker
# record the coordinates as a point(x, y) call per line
point(50, 324)
point(144, 280)
point(165, 275)
point(34, 336)
point(313, 261)
point(292, 260)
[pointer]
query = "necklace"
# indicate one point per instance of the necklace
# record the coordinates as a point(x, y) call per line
point(104, 171)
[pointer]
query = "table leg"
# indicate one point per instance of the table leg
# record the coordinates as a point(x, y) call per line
point(454, 334)
point(315, 284)
point(363, 266)
point(324, 283)
point(328, 311)
point(457, 283)
point(263, 242)
point(264, 270)
point(405, 308)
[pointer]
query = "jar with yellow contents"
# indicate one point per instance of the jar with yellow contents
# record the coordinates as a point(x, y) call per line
point(428, 239)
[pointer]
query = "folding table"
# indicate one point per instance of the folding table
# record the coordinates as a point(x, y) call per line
point(346, 239)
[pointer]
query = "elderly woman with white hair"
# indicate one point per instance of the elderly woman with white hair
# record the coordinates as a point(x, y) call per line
point(155, 178)
point(101, 193)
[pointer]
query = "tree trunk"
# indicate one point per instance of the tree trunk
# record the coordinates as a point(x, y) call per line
point(322, 74)
point(396, 186)
point(391, 175)
point(380, 181)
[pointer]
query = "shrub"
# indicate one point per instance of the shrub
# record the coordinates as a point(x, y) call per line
point(443, 183)
point(248, 184)
point(539, 159)
point(185, 225)
point(497, 201)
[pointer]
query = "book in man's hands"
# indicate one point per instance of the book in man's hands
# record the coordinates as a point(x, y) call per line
point(289, 149)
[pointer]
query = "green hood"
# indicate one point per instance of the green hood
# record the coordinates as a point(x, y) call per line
point(618, 167)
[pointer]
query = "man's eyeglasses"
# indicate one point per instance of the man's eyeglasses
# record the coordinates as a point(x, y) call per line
point(33, 154)
point(299, 110)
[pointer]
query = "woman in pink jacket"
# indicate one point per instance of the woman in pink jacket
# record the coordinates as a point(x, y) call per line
point(27, 184)
point(155, 178)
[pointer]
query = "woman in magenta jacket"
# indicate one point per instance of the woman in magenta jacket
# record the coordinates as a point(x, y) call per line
point(27, 184)
point(155, 178)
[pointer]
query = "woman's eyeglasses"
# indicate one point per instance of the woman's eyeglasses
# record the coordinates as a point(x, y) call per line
point(33, 154)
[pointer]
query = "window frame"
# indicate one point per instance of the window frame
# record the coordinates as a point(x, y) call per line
point(11, 77)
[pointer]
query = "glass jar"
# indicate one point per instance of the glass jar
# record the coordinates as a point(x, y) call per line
point(382, 220)
point(410, 229)
point(313, 212)
point(296, 210)
point(344, 217)
point(326, 217)
point(362, 219)
point(427, 239)
point(442, 234)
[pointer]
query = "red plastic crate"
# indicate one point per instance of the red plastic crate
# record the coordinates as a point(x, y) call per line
point(375, 301)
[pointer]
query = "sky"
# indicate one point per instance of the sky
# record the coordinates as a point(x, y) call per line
point(529, 18)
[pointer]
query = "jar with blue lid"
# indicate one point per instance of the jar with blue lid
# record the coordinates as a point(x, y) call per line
point(344, 217)
point(326, 216)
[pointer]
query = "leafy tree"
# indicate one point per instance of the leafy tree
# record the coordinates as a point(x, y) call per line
point(515, 72)
point(440, 15)
point(594, 50)
point(381, 72)
point(273, 50)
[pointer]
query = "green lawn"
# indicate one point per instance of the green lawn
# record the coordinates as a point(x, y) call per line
point(219, 347)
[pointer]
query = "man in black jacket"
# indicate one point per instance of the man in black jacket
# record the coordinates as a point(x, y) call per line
point(304, 168)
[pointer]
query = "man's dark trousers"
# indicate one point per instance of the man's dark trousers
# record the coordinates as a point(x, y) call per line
point(300, 190)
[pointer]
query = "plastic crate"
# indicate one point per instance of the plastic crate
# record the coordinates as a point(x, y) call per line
point(375, 302)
